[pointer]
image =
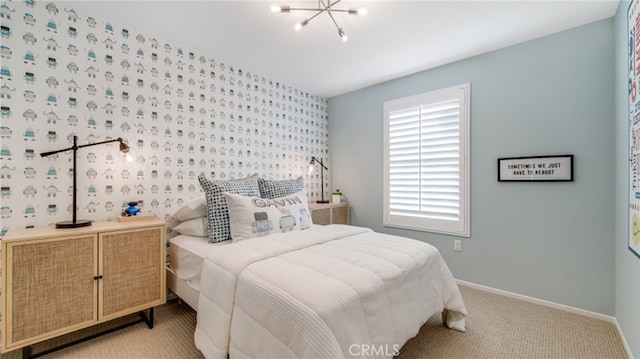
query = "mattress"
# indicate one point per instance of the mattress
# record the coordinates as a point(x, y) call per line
point(187, 253)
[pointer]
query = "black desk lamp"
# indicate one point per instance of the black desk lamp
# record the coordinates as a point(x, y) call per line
point(74, 223)
point(322, 168)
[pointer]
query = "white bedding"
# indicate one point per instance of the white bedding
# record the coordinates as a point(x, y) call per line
point(326, 292)
point(186, 255)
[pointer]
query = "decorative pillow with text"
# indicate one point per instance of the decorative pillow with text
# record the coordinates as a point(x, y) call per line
point(251, 217)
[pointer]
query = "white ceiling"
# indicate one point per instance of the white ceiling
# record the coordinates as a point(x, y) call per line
point(396, 38)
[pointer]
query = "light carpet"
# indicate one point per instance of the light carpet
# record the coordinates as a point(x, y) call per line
point(497, 327)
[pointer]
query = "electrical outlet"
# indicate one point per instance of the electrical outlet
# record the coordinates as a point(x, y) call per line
point(457, 245)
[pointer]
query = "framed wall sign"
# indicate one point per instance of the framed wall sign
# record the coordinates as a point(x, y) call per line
point(536, 169)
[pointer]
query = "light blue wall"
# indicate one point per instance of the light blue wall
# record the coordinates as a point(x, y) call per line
point(627, 265)
point(550, 96)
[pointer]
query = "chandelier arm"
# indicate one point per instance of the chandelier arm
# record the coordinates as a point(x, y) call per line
point(334, 20)
point(316, 14)
point(321, 7)
point(307, 9)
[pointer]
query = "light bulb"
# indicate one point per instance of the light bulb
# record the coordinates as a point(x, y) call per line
point(278, 8)
point(342, 35)
point(301, 24)
point(361, 11)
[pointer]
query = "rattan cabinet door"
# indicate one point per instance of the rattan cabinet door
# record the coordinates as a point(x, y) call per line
point(329, 213)
point(340, 215)
point(321, 215)
point(52, 288)
point(132, 267)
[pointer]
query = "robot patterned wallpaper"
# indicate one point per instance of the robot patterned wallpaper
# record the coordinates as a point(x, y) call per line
point(182, 112)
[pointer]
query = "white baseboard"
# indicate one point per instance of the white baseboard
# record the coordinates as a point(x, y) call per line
point(566, 308)
point(547, 303)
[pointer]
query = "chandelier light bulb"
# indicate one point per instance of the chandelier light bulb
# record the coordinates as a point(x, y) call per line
point(301, 24)
point(280, 8)
point(343, 36)
point(361, 11)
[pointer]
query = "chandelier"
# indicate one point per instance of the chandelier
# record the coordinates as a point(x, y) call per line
point(326, 6)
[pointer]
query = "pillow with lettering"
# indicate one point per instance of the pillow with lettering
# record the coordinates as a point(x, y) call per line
point(251, 217)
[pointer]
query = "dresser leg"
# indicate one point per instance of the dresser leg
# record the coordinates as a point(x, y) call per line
point(147, 319)
point(26, 352)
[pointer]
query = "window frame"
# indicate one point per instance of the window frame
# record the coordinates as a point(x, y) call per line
point(462, 226)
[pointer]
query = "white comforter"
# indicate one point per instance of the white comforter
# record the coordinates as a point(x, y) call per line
point(327, 292)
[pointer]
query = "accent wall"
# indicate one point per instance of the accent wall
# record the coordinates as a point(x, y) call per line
point(184, 113)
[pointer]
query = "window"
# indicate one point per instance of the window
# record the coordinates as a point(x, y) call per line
point(426, 167)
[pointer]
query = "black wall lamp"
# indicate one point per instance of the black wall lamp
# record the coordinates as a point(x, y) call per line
point(74, 223)
point(322, 168)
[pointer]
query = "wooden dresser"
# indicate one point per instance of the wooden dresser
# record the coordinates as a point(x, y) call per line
point(56, 281)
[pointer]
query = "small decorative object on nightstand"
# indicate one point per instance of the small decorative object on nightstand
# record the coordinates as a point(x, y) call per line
point(134, 212)
point(329, 213)
point(336, 197)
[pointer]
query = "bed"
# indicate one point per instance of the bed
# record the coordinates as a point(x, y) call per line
point(186, 256)
point(291, 289)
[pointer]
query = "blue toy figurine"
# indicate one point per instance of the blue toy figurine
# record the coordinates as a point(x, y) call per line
point(132, 210)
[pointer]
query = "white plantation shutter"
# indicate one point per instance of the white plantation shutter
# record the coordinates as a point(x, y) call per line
point(426, 167)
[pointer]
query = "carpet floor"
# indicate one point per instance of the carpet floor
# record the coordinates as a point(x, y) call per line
point(497, 327)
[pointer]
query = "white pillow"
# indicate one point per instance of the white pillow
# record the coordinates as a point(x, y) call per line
point(193, 208)
point(194, 227)
point(256, 217)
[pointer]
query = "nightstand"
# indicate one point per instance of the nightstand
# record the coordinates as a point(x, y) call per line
point(329, 213)
point(56, 281)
